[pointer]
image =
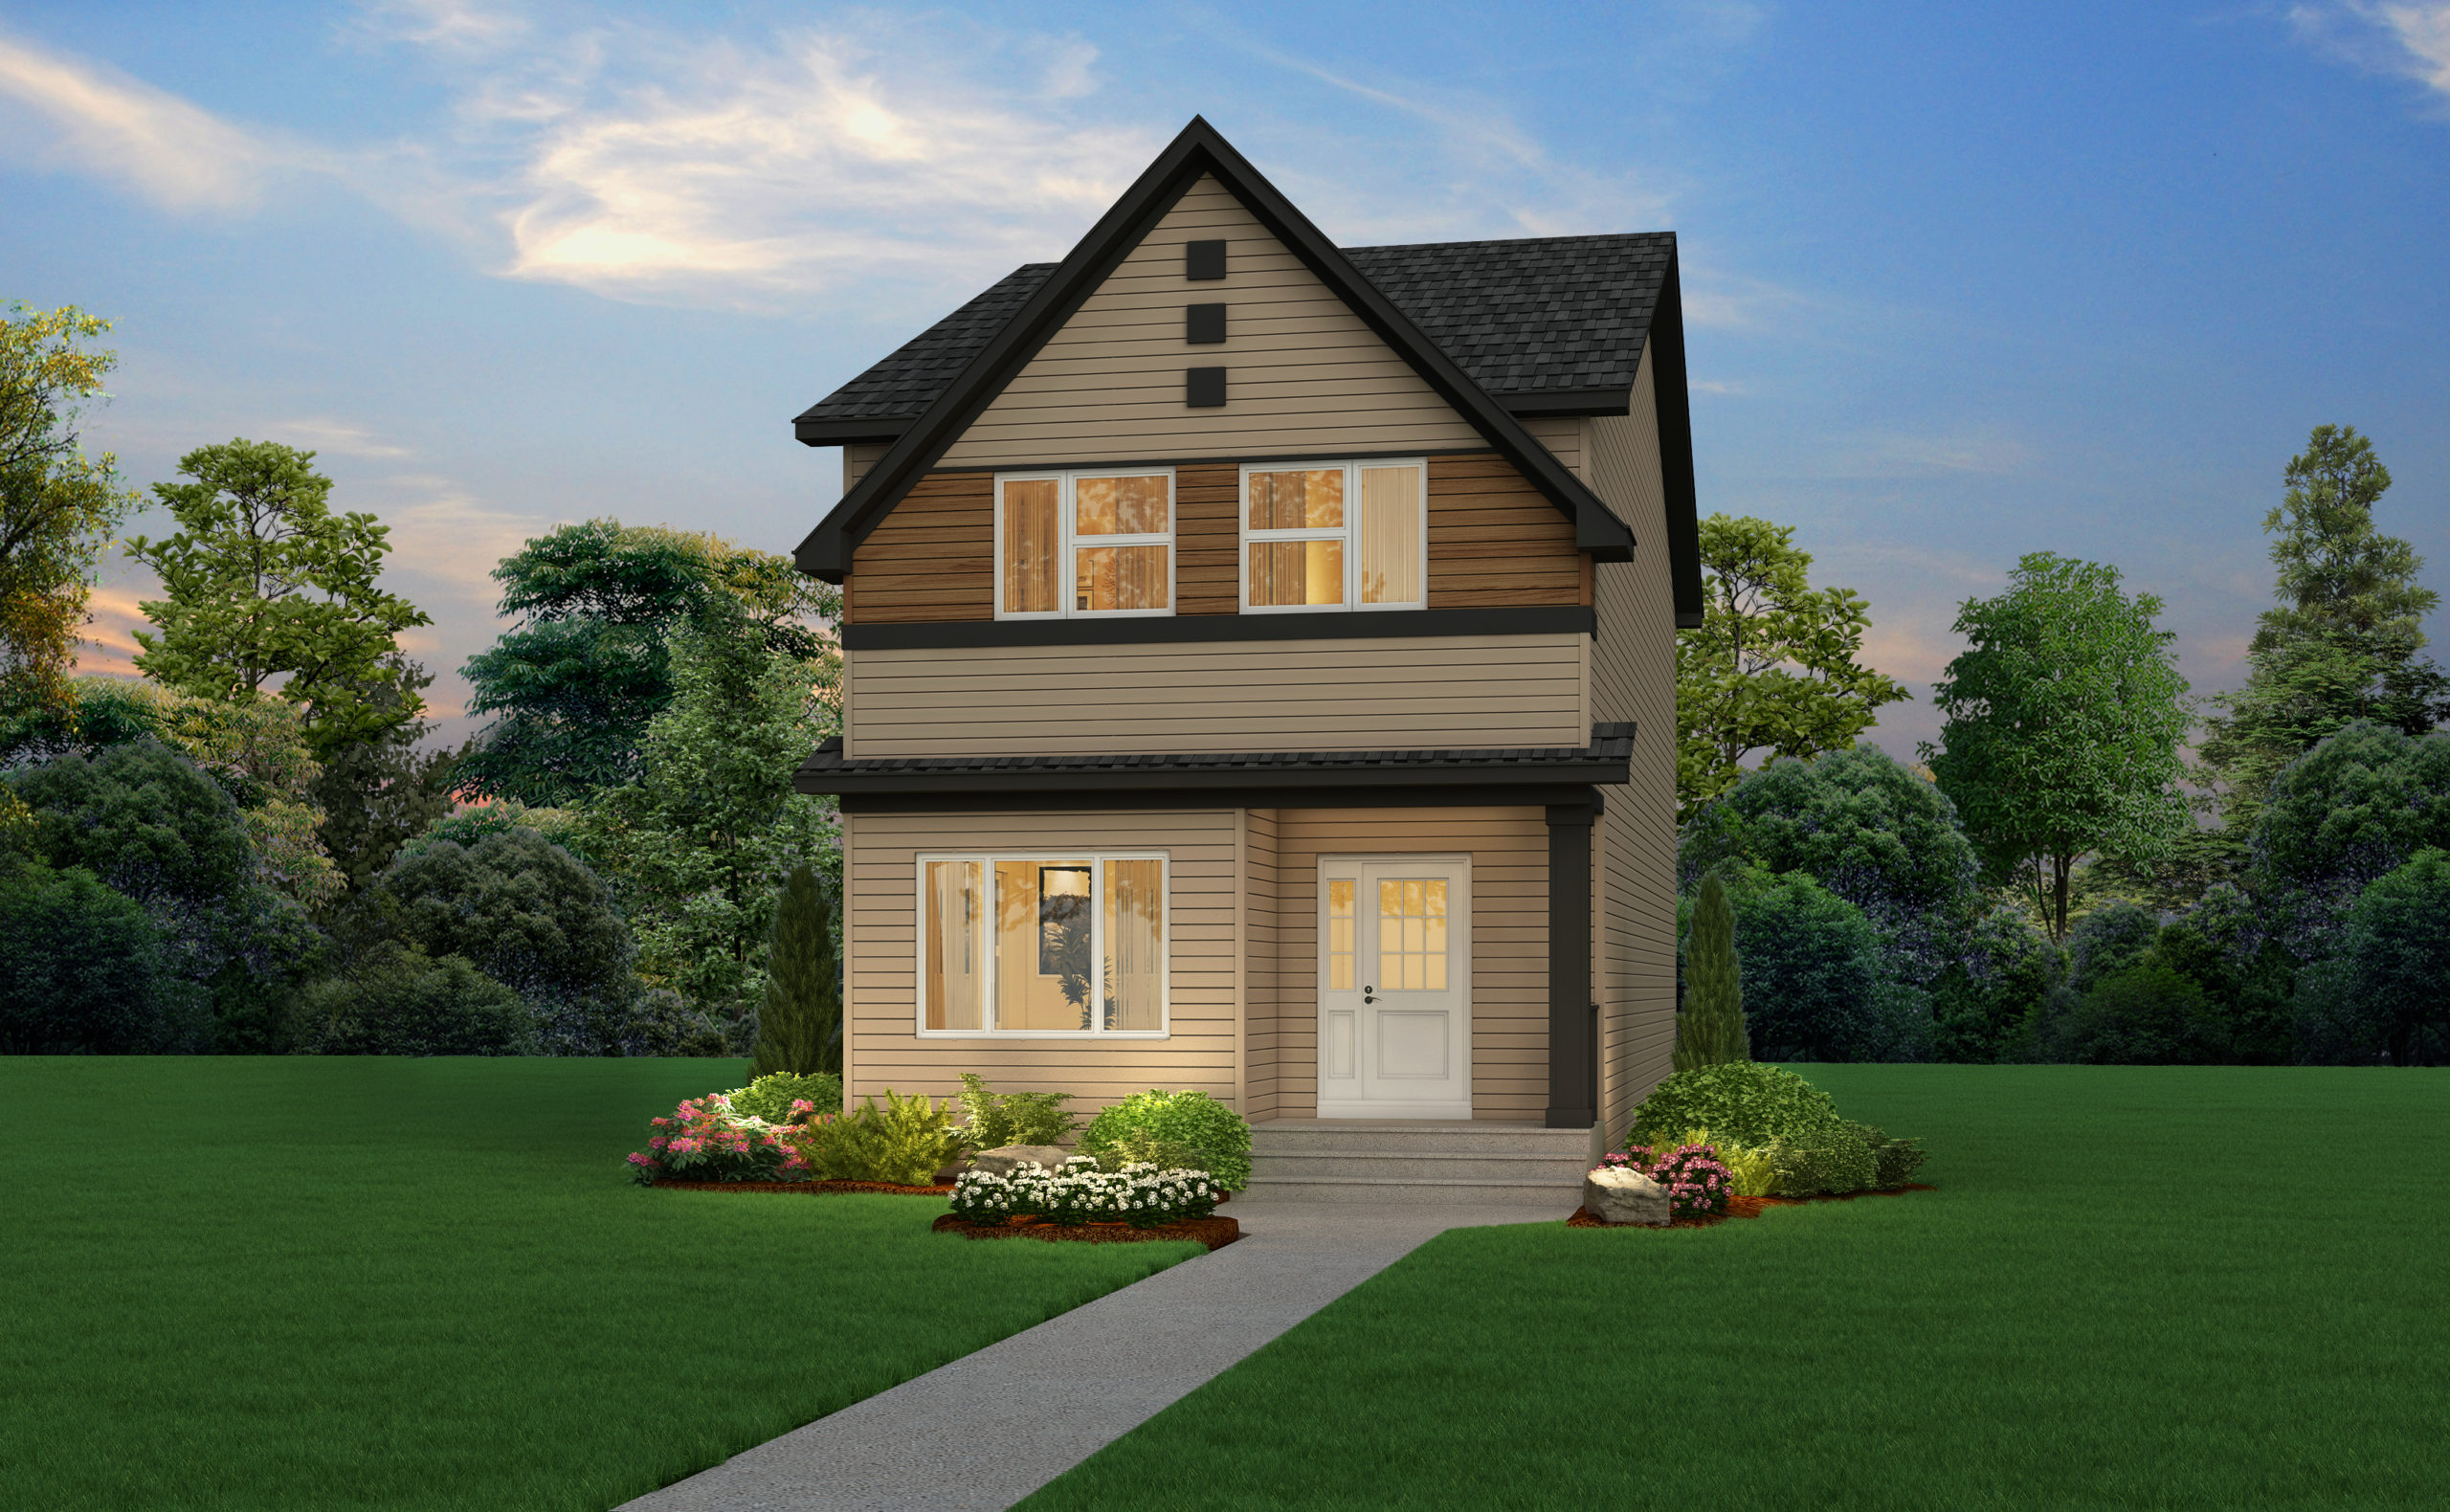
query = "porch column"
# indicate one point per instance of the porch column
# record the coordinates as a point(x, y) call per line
point(1573, 1095)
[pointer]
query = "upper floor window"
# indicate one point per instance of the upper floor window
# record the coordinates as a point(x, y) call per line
point(1071, 544)
point(1341, 535)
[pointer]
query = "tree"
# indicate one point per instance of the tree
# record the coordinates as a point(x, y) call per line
point(1710, 1030)
point(2384, 995)
point(263, 580)
point(524, 912)
point(602, 606)
point(2061, 727)
point(1773, 666)
point(2344, 642)
point(58, 505)
point(799, 1028)
point(700, 844)
point(380, 792)
point(1813, 976)
point(2341, 816)
point(83, 970)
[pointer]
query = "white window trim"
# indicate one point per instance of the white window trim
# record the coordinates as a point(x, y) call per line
point(1097, 859)
point(1344, 533)
point(1068, 481)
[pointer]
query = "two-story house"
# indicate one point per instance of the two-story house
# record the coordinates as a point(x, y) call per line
point(1259, 678)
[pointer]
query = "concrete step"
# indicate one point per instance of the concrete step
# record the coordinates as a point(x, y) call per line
point(1557, 1197)
point(1344, 1135)
point(1424, 1165)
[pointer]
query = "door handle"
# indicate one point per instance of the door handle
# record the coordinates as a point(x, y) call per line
point(1365, 991)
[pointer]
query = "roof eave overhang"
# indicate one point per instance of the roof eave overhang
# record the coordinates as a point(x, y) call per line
point(845, 780)
point(1199, 148)
point(848, 433)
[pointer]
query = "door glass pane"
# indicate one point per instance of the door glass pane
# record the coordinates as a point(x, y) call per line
point(1120, 577)
point(955, 938)
point(1391, 525)
point(1296, 572)
point(1412, 934)
point(1135, 910)
point(1031, 517)
point(1042, 945)
point(1340, 934)
point(1120, 507)
point(1303, 500)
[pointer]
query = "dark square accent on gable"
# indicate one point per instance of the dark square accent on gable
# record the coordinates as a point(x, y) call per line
point(1203, 259)
point(1204, 388)
point(1204, 324)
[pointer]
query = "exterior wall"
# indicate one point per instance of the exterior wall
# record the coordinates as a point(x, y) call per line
point(1263, 968)
point(1494, 540)
point(1509, 850)
point(1206, 930)
point(1567, 436)
point(1305, 376)
point(1633, 678)
point(1428, 692)
point(856, 459)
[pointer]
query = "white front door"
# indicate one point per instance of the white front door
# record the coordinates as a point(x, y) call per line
point(1395, 988)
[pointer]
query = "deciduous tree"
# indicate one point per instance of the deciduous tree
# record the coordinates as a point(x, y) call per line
point(1774, 666)
point(262, 581)
point(2063, 724)
point(58, 506)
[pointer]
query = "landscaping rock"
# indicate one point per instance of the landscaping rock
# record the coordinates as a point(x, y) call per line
point(1616, 1196)
point(1000, 1161)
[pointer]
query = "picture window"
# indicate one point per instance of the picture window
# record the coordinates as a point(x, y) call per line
point(1041, 945)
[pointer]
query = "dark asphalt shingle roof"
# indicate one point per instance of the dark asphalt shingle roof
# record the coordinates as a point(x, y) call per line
point(828, 770)
point(1520, 316)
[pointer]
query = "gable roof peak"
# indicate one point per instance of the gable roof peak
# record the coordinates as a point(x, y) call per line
point(1198, 149)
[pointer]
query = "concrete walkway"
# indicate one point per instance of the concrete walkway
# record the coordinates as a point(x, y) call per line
point(1044, 1400)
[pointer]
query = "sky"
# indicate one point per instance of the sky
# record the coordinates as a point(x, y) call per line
point(1962, 282)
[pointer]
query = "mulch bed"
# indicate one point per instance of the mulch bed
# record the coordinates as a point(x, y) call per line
point(1746, 1208)
point(1214, 1232)
point(817, 1187)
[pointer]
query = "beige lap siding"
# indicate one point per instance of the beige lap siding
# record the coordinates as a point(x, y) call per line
point(1263, 969)
point(1510, 850)
point(884, 1048)
point(1429, 692)
point(1306, 375)
point(1633, 678)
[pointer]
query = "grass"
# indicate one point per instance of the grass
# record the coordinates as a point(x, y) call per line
point(2135, 1287)
point(333, 1283)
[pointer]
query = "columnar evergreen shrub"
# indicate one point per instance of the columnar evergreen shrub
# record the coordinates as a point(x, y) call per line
point(799, 1024)
point(1710, 1030)
point(1190, 1119)
point(997, 1119)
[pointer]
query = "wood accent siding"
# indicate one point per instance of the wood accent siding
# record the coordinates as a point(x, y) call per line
point(882, 1047)
point(1304, 375)
point(1495, 539)
point(1428, 692)
point(1510, 850)
point(1207, 539)
point(931, 559)
point(1632, 674)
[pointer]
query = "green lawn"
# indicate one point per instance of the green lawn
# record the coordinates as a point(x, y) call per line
point(2136, 1287)
point(330, 1284)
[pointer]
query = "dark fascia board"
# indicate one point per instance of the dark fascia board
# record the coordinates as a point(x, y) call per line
point(1543, 403)
point(956, 634)
point(848, 433)
point(1675, 417)
point(1495, 795)
point(1597, 772)
point(1199, 148)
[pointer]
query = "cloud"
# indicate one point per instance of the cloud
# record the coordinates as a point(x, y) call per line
point(447, 535)
point(449, 24)
point(1892, 456)
point(2410, 39)
point(110, 640)
point(332, 438)
point(175, 154)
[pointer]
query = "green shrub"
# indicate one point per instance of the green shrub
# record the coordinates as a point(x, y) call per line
point(1013, 1117)
point(83, 971)
point(770, 1097)
point(1831, 1159)
point(1216, 1134)
point(1744, 1101)
point(406, 1003)
point(1710, 1030)
point(1894, 1161)
point(904, 1143)
point(1140, 1147)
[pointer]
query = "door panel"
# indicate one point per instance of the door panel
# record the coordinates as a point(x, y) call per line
point(1394, 988)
